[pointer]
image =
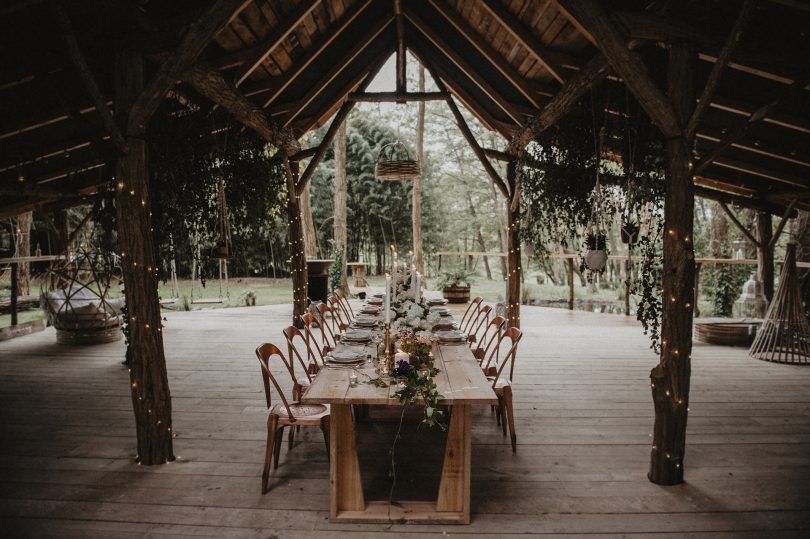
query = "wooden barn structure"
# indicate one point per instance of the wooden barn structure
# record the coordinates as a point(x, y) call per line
point(724, 81)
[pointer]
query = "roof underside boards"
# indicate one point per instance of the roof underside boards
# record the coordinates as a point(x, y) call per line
point(502, 59)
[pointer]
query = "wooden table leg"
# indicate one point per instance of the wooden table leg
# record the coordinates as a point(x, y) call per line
point(344, 469)
point(454, 488)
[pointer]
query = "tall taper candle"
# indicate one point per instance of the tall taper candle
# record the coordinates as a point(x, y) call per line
point(418, 289)
point(387, 303)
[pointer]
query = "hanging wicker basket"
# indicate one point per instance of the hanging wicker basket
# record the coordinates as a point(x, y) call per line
point(395, 163)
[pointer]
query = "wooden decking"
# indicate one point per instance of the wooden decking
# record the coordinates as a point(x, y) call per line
point(584, 417)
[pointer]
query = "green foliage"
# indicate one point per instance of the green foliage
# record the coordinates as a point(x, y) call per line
point(336, 269)
point(728, 281)
point(454, 278)
point(187, 164)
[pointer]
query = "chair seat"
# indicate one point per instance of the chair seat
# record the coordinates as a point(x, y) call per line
point(303, 381)
point(301, 411)
point(501, 383)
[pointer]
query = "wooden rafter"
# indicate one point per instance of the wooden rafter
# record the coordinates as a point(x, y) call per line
point(210, 83)
point(523, 35)
point(87, 78)
point(590, 16)
point(737, 200)
point(762, 149)
point(781, 226)
point(754, 118)
point(389, 97)
point(738, 224)
point(435, 37)
point(360, 44)
point(299, 66)
point(762, 172)
point(260, 52)
point(401, 80)
point(360, 82)
point(594, 71)
point(486, 50)
point(328, 137)
point(196, 38)
point(433, 63)
point(717, 70)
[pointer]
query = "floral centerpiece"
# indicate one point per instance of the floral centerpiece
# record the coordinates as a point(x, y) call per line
point(409, 309)
point(414, 377)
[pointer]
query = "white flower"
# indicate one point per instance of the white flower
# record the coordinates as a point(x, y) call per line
point(433, 317)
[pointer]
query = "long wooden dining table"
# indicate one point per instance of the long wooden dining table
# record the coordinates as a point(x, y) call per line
point(462, 384)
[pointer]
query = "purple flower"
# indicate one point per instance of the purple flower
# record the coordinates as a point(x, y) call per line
point(402, 368)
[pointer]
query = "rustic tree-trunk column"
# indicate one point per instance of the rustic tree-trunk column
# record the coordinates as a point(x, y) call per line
point(513, 258)
point(60, 224)
point(418, 257)
point(308, 224)
point(670, 378)
point(23, 249)
point(148, 379)
point(298, 257)
point(341, 195)
point(764, 230)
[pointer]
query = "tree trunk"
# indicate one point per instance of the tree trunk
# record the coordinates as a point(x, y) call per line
point(670, 378)
point(341, 193)
point(310, 240)
point(503, 241)
point(418, 257)
point(764, 231)
point(479, 237)
point(23, 249)
point(60, 224)
point(513, 281)
point(149, 383)
point(298, 257)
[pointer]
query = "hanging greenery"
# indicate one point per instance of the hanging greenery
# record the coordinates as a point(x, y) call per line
point(561, 201)
point(191, 155)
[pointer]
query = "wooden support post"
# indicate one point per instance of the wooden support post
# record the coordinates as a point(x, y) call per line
point(513, 256)
point(569, 262)
point(401, 58)
point(148, 380)
point(418, 256)
point(298, 258)
point(764, 231)
point(670, 378)
point(696, 308)
point(14, 294)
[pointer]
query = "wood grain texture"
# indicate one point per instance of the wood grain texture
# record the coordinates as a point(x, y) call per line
point(582, 407)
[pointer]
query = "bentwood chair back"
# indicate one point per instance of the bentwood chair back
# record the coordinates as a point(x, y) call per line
point(502, 384)
point(344, 300)
point(329, 324)
point(311, 327)
point(286, 413)
point(339, 311)
point(470, 314)
point(479, 325)
point(488, 344)
point(296, 343)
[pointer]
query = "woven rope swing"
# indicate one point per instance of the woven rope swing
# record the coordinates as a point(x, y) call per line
point(395, 163)
point(785, 333)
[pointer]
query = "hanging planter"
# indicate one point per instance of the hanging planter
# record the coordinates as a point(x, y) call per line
point(630, 233)
point(596, 254)
point(394, 163)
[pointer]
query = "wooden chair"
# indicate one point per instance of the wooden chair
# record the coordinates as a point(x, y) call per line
point(488, 343)
point(309, 366)
point(479, 325)
point(344, 300)
point(311, 324)
point(339, 311)
point(470, 313)
point(502, 385)
point(285, 414)
point(330, 326)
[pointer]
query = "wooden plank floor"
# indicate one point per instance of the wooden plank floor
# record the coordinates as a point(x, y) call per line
point(584, 417)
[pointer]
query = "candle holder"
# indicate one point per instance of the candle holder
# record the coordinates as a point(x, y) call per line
point(388, 353)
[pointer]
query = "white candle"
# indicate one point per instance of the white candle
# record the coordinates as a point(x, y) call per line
point(418, 287)
point(387, 299)
point(413, 278)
